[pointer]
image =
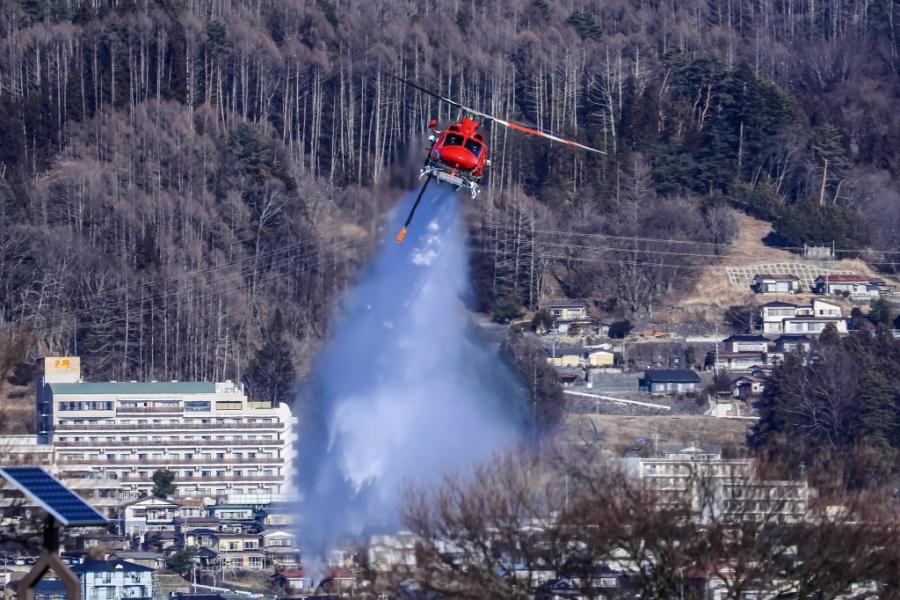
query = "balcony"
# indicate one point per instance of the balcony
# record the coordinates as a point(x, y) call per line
point(210, 479)
point(167, 426)
point(158, 443)
point(163, 462)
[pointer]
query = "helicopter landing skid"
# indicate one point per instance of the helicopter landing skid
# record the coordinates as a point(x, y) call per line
point(457, 181)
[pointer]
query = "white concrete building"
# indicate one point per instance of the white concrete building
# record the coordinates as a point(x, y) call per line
point(114, 580)
point(727, 488)
point(217, 442)
point(783, 317)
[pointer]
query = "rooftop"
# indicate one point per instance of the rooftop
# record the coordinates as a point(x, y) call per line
point(782, 277)
point(746, 337)
point(125, 388)
point(102, 566)
point(793, 337)
point(672, 376)
point(849, 279)
point(779, 304)
point(566, 303)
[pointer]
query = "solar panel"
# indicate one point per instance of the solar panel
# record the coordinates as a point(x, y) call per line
point(53, 496)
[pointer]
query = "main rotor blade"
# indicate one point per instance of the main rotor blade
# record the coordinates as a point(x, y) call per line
point(506, 123)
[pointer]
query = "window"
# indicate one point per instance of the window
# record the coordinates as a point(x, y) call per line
point(474, 147)
point(197, 405)
point(453, 140)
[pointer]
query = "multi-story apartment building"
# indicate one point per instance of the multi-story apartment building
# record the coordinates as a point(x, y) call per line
point(719, 487)
point(218, 443)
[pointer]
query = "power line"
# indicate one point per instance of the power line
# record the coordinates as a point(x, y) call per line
point(496, 225)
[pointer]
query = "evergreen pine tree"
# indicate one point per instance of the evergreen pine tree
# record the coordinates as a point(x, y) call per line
point(878, 411)
point(271, 373)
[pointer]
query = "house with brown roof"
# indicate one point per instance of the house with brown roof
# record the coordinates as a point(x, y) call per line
point(853, 285)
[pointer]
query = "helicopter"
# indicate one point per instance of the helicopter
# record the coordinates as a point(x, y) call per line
point(459, 154)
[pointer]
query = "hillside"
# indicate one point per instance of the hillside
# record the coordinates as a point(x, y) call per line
point(177, 178)
point(726, 283)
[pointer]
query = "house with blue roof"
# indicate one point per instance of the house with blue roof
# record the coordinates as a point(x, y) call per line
point(114, 579)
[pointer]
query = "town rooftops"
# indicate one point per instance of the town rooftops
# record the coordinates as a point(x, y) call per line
point(127, 388)
point(566, 303)
point(778, 304)
point(103, 566)
point(672, 376)
point(746, 337)
point(782, 277)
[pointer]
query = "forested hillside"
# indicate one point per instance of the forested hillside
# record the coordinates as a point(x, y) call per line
point(187, 184)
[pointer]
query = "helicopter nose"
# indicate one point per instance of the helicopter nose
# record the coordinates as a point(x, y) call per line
point(459, 157)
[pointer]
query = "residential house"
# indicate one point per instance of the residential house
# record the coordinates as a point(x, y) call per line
point(669, 381)
point(570, 315)
point(193, 508)
point(783, 317)
point(563, 357)
point(114, 579)
point(744, 342)
point(48, 588)
point(853, 285)
point(201, 537)
point(568, 310)
point(599, 357)
point(149, 514)
point(823, 308)
point(765, 283)
point(774, 314)
point(294, 580)
point(740, 361)
point(279, 514)
point(159, 540)
point(234, 517)
point(810, 325)
point(280, 548)
point(788, 343)
point(747, 385)
point(241, 551)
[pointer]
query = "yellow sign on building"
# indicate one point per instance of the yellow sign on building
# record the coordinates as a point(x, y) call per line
point(62, 369)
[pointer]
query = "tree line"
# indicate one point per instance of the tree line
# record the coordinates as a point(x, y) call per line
point(174, 170)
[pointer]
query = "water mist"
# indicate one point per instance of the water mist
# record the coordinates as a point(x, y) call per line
point(404, 391)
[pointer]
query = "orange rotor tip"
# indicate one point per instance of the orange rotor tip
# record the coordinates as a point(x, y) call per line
point(401, 236)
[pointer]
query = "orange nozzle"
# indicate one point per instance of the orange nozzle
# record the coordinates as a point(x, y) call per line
point(401, 236)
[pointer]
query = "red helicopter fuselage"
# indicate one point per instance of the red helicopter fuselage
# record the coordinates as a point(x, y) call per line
point(461, 149)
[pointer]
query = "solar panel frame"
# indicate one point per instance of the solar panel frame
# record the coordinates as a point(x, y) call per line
point(50, 494)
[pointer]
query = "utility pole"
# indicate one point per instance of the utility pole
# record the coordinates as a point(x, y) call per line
point(716, 364)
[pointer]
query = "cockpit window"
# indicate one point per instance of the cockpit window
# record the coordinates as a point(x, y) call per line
point(453, 140)
point(474, 147)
